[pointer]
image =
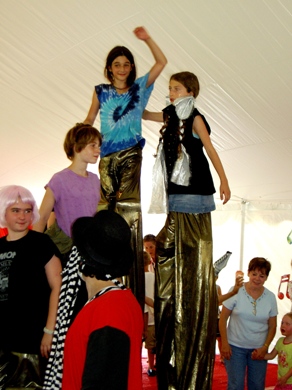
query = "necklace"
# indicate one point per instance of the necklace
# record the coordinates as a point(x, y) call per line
point(254, 307)
point(103, 291)
point(120, 88)
point(253, 300)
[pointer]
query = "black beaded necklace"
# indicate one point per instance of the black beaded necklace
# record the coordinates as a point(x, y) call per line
point(120, 89)
point(103, 291)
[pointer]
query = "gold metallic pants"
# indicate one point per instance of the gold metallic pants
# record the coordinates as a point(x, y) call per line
point(120, 191)
point(27, 373)
point(185, 303)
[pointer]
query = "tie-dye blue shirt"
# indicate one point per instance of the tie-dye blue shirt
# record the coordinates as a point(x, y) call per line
point(120, 115)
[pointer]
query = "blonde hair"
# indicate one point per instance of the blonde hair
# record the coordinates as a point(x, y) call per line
point(289, 315)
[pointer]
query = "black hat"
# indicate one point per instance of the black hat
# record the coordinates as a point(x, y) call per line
point(104, 241)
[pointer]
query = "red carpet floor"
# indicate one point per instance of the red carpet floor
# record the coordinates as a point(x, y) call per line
point(149, 383)
point(219, 377)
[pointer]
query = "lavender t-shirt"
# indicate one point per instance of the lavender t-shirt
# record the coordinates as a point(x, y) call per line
point(75, 196)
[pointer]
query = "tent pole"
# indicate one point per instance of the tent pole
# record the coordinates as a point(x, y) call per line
point(242, 229)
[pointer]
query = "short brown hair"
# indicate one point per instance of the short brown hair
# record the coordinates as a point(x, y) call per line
point(78, 137)
point(260, 263)
point(149, 238)
point(189, 81)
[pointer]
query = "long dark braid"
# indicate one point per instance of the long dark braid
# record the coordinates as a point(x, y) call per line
point(172, 135)
point(180, 134)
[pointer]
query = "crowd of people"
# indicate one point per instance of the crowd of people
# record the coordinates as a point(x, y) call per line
point(73, 292)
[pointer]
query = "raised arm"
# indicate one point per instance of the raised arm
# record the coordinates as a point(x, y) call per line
point(45, 211)
point(93, 110)
point(238, 284)
point(159, 57)
point(199, 128)
point(223, 297)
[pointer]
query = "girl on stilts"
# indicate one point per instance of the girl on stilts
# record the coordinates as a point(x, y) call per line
point(186, 299)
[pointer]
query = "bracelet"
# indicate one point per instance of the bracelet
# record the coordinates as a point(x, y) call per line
point(266, 345)
point(48, 331)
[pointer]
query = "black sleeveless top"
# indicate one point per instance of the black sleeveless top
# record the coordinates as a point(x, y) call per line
point(201, 182)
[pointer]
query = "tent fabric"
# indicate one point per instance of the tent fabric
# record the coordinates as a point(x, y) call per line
point(53, 53)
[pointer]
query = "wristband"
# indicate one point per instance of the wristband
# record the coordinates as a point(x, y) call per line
point(48, 331)
point(266, 345)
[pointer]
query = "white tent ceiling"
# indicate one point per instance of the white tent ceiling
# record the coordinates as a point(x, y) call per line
point(53, 53)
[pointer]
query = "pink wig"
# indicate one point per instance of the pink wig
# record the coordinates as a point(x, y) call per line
point(10, 195)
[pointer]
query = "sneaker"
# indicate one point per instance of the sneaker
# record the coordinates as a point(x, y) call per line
point(151, 372)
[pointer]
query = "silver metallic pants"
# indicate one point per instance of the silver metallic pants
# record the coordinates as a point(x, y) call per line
point(185, 303)
point(120, 191)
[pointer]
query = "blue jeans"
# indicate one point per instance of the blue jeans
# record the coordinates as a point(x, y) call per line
point(240, 364)
point(193, 204)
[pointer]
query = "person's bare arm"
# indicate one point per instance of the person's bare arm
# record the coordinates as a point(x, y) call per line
point(222, 298)
point(271, 355)
point(225, 348)
point(45, 211)
point(159, 57)
point(153, 116)
point(259, 353)
point(234, 291)
point(53, 271)
point(93, 110)
point(281, 381)
point(149, 301)
point(199, 128)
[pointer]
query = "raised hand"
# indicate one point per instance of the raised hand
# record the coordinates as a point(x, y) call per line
point(141, 33)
